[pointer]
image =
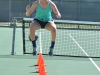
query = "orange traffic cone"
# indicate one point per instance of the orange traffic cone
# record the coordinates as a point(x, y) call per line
point(40, 73)
point(42, 62)
point(39, 59)
point(41, 65)
point(43, 69)
point(43, 73)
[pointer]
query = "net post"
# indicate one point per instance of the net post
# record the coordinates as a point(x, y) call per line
point(13, 40)
point(23, 31)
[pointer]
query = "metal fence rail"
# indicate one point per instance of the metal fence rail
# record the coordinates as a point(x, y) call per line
point(81, 10)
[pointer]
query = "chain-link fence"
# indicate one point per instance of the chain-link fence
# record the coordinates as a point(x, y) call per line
point(82, 10)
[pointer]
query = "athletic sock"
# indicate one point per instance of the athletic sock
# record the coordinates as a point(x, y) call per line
point(52, 44)
point(34, 43)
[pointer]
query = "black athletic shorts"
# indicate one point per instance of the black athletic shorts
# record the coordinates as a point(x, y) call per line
point(42, 24)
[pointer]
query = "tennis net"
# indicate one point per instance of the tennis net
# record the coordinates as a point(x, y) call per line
point(74, 38)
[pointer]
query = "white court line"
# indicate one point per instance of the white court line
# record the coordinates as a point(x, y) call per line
point(85, 53)
point(40, 43)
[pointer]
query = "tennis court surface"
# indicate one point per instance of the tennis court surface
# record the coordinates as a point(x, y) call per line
point(77, 42)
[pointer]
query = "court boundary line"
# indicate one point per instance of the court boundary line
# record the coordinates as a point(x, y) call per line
point(97, 67)
point(40, 43)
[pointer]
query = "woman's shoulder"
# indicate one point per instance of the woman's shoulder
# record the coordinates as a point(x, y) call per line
point(52, 3)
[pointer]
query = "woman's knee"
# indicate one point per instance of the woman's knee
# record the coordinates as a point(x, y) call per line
point(54, 30)
point(32, 27)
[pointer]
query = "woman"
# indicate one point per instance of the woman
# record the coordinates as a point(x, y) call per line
point(43, 19)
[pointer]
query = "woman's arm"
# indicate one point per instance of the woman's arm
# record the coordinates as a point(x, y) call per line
point(30, 10)
point(55, 10)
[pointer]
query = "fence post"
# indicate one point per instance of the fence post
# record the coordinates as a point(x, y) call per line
point(78, 12)
point(13, 38)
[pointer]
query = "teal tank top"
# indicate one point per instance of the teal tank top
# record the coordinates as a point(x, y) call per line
point(43, 14)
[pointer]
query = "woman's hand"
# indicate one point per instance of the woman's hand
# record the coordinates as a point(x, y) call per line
point(58, 15)
point(27, 7)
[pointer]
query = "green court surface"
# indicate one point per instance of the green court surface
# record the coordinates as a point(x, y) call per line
point(20, 64)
